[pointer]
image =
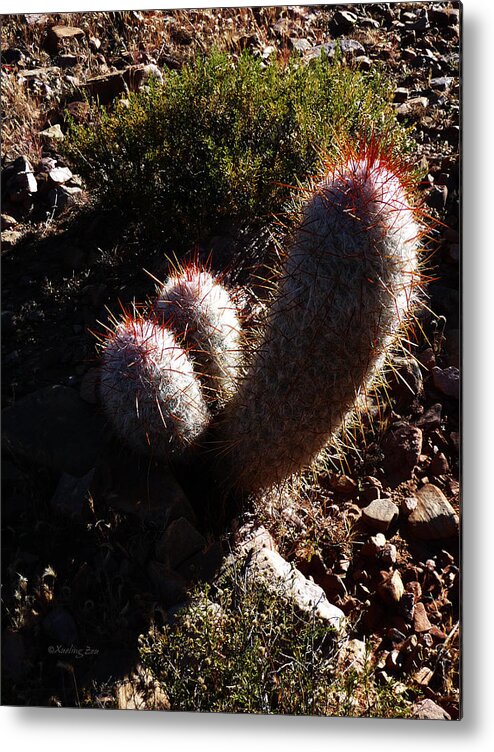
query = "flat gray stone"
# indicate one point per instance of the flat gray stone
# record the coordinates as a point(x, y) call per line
point(60, 175)
point(53, 133)
point(380, 514)
point(428, 710)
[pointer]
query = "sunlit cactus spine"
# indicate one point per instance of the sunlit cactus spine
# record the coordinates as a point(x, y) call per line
point(346, 288)
point(148, 388)
point(200, 311)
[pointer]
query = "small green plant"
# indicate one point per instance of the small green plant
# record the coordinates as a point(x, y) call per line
point(219, 139)
point(249, 651)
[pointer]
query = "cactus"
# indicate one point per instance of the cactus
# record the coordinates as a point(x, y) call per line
point(347, 285)
point(201, 313)
point(148, 388)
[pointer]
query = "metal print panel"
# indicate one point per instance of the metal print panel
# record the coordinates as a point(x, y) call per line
point(231, 360)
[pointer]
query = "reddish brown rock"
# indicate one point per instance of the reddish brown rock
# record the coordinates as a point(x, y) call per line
point(414, 588)
point(402, 447)
point(421, 621)
point(433, 518)
point(447, 381)
point(58, 34)
point(341, 484)
point(439, 465)
point(391, 588)
point(437, 634)
point(108, 87)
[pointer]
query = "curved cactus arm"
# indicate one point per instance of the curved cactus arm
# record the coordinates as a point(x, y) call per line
point(347, 287)
point(202, 314)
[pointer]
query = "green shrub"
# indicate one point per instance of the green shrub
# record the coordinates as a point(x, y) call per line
point(250, 654)
point(219, 139)
point(249, 651)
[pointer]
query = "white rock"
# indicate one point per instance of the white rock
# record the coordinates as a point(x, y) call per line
point(286, 579)
point(53, 133)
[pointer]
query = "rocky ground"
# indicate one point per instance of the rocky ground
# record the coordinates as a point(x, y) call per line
point(89, 560)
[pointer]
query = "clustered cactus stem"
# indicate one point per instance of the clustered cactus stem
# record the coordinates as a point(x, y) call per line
point(347, 286)
point(200, 311)
point(148, 388)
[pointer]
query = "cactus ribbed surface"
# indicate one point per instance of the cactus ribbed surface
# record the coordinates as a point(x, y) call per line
point(149, 390)
point(200, 312)
point(346, 288)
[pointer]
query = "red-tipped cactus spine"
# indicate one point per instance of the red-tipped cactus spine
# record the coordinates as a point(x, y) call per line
point(202, 315)
point(148, 388)
point(346, 287)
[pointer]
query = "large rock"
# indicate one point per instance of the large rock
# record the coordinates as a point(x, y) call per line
point(262, 561)
point(179, 542)
point(57, 35)
point(353, 656)
point(53, 133)
point(343, 21)
point(447, 381)
point(421, 621)
point(107, 87)
point(433, 518)
point(20, 182)
point(55, 428)
point(380, 514)
point(73, 495)
point(444, 16)
point(390, 588)
point(401, 447)
point(60, 175)
point(428, 710)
